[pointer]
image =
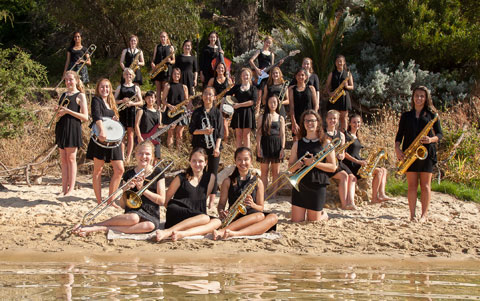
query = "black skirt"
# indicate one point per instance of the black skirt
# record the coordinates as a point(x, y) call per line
point(127, 117)
point(104, 154)
point(178, 212)
point(311, 196)
point(243, 118)
point(271, 147)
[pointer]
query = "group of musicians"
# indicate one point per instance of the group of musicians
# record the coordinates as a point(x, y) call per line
point(189, 194)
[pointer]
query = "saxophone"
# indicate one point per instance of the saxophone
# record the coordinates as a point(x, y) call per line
point(162, 66)
point(238, 206)
point(415, 150)
point(340, 149)
point(372, 161)
point(134, 65)
point(339, 91)
point(219, 97)
point(180, 108)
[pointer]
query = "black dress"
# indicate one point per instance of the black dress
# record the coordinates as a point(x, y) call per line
point(302, 101)
point(127, 115)
point(244, 117)
point(343, 103)
point(176, 94)
point(68, 130)
point(219, 87)
point(149, 210)
point(271, 144)
point(313, 80)
point(264, 61)
point(188, 66)
point(99, 110)
point(129, 57)
point(313, 187)
point(208, 55)
point(409, 128)
point(354, 151)
point(275, 90)
point(75, 55)
point(341, 165)
point(188, 201)
point(162, 52)
point(149, 121)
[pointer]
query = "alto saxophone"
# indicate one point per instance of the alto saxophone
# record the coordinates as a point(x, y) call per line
point(134, 65)
point(339, 91)
point(415, 150)
point(209, 142)
point(162, 66)
point(372, 161)
point(239, 206)
point(180, 108)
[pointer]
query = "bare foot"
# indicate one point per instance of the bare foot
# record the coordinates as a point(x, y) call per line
point(350, 207)
point(324, 216)
point(162, 234)
point(376, 201)
point(229, 233)
point(176, 235)
point(384, 198)
point(84, 231)
point(76, 228)
point(218, 234)
point(423, 219)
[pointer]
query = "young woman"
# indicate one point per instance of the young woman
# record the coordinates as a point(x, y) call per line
point(312, 78)
point(68, 130)
point(274, 86)
point(146, 218)
point(243, 120)
point(270, 140)
point(187, 63)
point(265, 58)
point(301, 98)
point(209, 53)
point(186, 201)
point(354, 162)
point(307, 204)
point(255, 222)
point(76, 58)
point(127, 58)
point(173, 94)
point(123, 94)
point(214, 133)
point(411, 124)
point(346, 179)
point(103, 105)
point(335, 78)
point(161, 51)
point(147, 119)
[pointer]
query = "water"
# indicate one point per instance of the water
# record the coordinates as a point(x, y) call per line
point(245, 277)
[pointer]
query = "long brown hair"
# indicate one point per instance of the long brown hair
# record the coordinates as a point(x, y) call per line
point(266, 118)
point(200, 150)
point(270, 77)
point(349, 128)
point(110, 98)
point(428, 105)
point(303, 131)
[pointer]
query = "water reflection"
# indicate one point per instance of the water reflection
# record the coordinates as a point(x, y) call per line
point(238, 280)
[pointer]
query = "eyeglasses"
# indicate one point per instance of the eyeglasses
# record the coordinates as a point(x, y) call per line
point(310, 120)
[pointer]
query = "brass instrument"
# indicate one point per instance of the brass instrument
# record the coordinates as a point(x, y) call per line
point(340, 149)
point(339, 91)
point(218, 98)
point(282, 94)
point(239, 206)
point(180, 108)
point(162, 66)
point(134, 199)
point(90, 50)
point(123, 105)
point(134, 65)
point(64, 103)
point(104, 203)
point(166, 128)
point(415, 150)
point(209, 141)
point(372, 161)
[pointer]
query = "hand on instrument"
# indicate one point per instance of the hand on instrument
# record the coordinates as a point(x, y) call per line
point(62, 111)
point(400, 154)
point(115, 118)
point(249, 201)
point(425, 140)
point(102, 137)
point(259, 72)
point(282, 153)
point(222, 214)
point(236, 106)
point(362, 162)
point(341, 156)
point(170, 107)
point(139, 182)
point(216, 152)
point(259, 153)
point(308, 160)
point(152, 65)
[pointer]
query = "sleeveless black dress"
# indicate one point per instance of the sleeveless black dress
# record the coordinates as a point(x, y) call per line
point(343, 103)
point(74, 56)
point(264, 61)
point(149, 210)
point(188, 201)
point(188, 66)
point(271, 144)
point(275, 90)
point(313, 80)
point(162, 52)
point(129, 57)
point(208, 55)
point(99, 110)
point(219, 87)
point(176, 95)
point(68, 130)
point(127, 115)
point(354, 151)
point(244, 117)
point(341, 165)
point(313, 187)
point(150, 120)
point(302, 101)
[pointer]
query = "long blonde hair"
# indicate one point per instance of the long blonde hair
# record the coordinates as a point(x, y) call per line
point(79, 83)
point(110, 98)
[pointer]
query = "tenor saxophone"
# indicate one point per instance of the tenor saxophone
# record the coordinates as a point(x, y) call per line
point(372, 162)
point(239, 206)
point(162, 66)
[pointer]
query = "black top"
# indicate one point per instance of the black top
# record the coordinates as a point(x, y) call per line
point(188, 66)
point(126, 92)
point(313, 147)
point(312, 81)
point(68, 130)
point(75, 55)
point(99, 109)
point(176, 94)
point(219, 87)
point(208, 54)
point(162, 52)
point(264, 60)
point(129, 57)
point(244, 96)
point(216, 121)
point(149, 120)
point(354, 151)
point(237, 186)
point(193, 197)
point(302, 101)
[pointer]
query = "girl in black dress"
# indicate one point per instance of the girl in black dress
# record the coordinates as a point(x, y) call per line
point(68, 130)
point(335, 78)
point(160, 52)
point(355, 162)
point(215, 132)
point(265, 58)
point(173, 94)
point(186, 201)
point(148, 119)
point(187, 63)
point(209, 53)
point(243, 120)
point(146, 218)
point(312, 78)
point(274, 86)
point(307, 204)
point(301, 98)
point(411, 124)
point(127, 58)
point(103, 105)
point(123, 94)
point(346, 179)
point(76, 58)
point(270, 140)
point(255, 222)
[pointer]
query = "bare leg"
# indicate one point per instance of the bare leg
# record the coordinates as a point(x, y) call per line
point(158, 86)
point(315, 216)
point(64, 165)
point(71, 158)
point(425, 187)
point(298, 214)
point(200, 230)
point(97, 178)
point(194, 221)
point(343, 120)
point(412, 180)
point(246, 137)
point(239, 224)
point(275, 168)
point(342, 178)
point(254, 229)
point(238, 138)
point(125, 223)
point(264, 173)
point(179, 136)
point(377, 175)
point(382, 195)
point(118, 171)
point(130, 134)
point(352, 181)
point(171, 133)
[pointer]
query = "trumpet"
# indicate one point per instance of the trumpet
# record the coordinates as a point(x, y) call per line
point(209, 141)
point(134, 199)
point(90, 50)
point(162, 66)
point(372, 161)
point(283, 92)
point(180, 108)
point(123, 105)
point(64, 103)
point(339, 91)
point(104, 204)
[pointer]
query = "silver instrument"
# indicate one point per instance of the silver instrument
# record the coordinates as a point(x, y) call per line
point(209, 142)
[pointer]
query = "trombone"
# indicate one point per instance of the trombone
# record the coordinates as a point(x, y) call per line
point(64, 103)
point(90, 50)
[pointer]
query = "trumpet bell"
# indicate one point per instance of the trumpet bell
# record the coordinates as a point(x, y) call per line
point(132, 199)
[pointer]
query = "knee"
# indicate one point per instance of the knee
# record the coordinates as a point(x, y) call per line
point(352, 178)
point(149, 227)
point(118, 170)
point(259, 217)
point(273, 218)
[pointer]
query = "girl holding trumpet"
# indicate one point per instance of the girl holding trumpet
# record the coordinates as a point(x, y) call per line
point(76, 57)
point(146, 218)
point(72, 110)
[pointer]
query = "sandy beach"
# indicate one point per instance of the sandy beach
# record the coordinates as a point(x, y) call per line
point(38, 219)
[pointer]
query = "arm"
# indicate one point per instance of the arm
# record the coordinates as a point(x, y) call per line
point(330, 165)
point(158, 197)
point(293, 156)
point(138, 118)
point(251, 61)
point(164, 96)
point(172, 189)
point(341, 155)
point(399, 138)
point(295, 127)
point(211, 184)
point(172, 59)
point(141, 59)
point(264, 95)
point(210, 83)
point(258, 136)
point(82, 115)
point(139, 101)
point(152, 64)
point(328, 85)
point(282, 136)
point(314, 98)
point(349, 85)
point(122, 59)
point(116, 95)
point(185, 91)
point(223, 198)
point(219, 129)
point(258, 205)
point(195, 72)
